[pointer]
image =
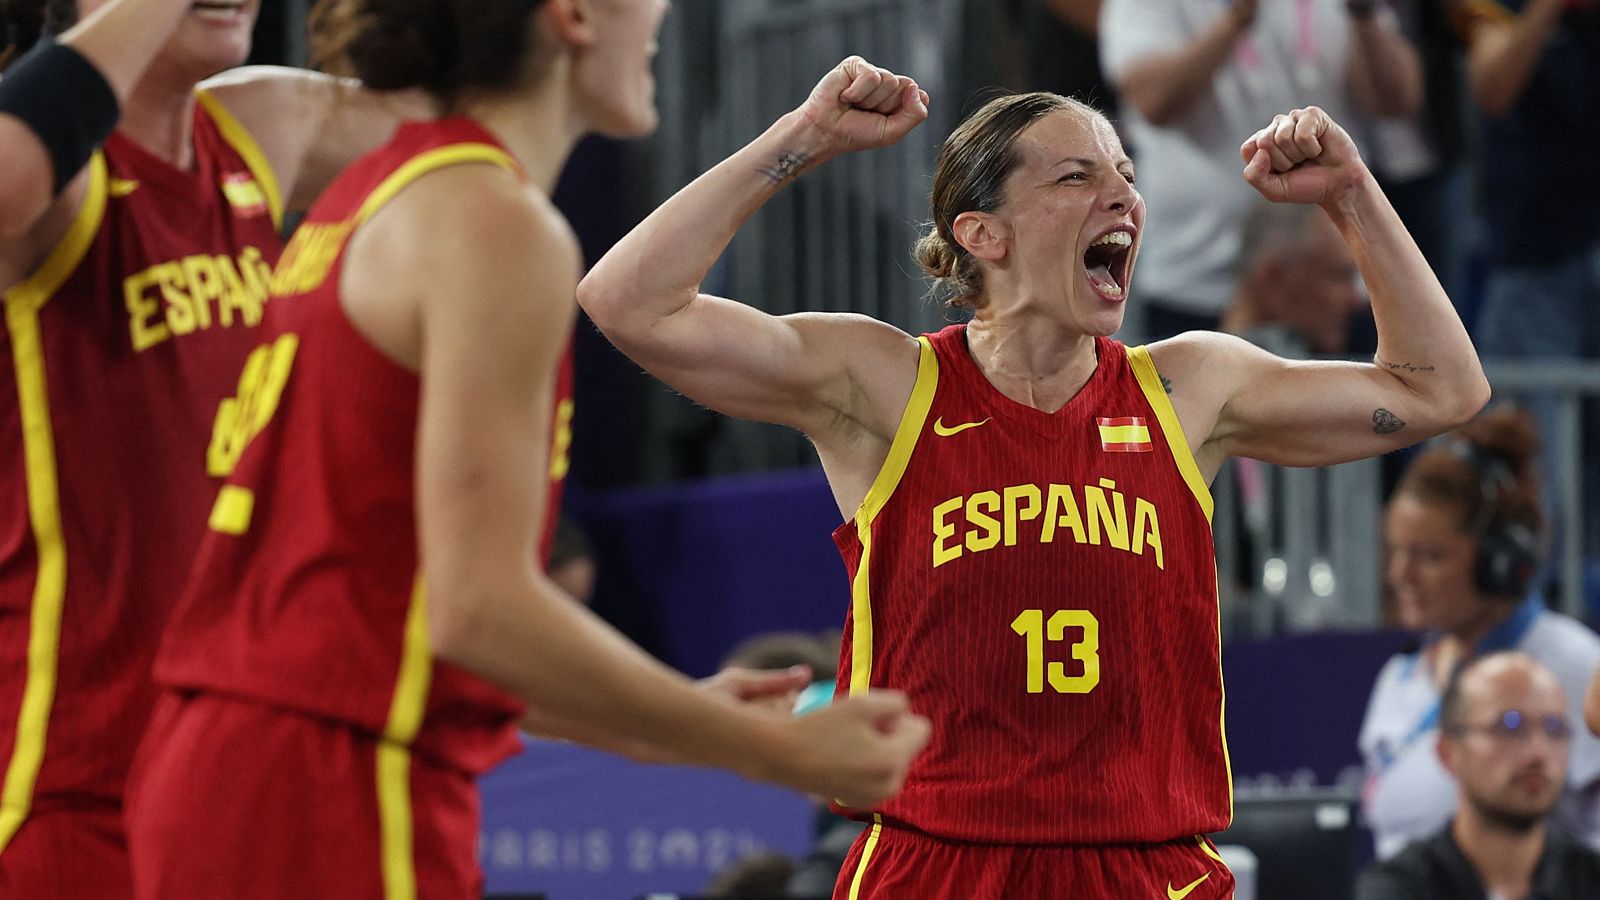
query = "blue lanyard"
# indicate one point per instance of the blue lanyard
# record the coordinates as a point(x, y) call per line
point(1504, 636)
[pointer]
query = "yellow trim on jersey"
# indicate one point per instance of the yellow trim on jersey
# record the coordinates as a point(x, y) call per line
point(394, 752)
point(423, 163)
point(1205, 846)
point(243, 144)
point(1222, 710)
point(894, 468)
point(22, 306)
point(866, 856)
point(1144, 369)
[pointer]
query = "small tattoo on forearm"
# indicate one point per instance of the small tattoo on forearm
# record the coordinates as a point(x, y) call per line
point(787, 167)
point(1405, 366)
point(1166, 383)
point(1385, 422)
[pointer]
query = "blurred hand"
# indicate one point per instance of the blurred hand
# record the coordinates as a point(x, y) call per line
point(1243, 12)
point(857, 750)
point(1302, 157)
point(858, 106)
point(775, 690)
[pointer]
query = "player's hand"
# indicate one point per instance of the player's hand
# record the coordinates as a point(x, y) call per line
point(1243, 12)
point(1302, 157)
point(859, 106)
point(774, 690)
point(857, 750)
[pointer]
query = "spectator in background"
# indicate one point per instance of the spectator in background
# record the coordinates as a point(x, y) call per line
point(1193, 75)
point(1462, 536)
point(1534, 68)
point(1061, 50)
point(1505, 735)
point(1297, 293)
point(761, 874)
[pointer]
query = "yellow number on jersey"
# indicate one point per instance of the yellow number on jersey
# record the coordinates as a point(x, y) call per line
point(1031, 624)
point(242, 417)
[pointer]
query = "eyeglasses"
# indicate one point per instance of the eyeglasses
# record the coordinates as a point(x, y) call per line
point(1514, 726)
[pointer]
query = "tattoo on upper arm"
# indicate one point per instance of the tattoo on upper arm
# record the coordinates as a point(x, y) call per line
point(1405, 366)
point(1385, 422)
point(1166, 383)
point(788, 166)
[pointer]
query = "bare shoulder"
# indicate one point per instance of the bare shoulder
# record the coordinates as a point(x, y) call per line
point(480, 222)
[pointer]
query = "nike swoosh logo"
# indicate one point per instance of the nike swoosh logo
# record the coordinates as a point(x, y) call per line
point(941, 430)
point(122, 187)
point(1186, 890)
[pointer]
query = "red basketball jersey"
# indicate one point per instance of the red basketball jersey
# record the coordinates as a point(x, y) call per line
point(1043, 587)
point(116, 351)
point(306, 594)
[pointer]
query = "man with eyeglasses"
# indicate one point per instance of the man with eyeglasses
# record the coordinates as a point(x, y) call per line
point(1504, 735)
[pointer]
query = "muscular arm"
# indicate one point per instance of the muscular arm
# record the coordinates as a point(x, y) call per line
point(310, 125)
point(1385, 71)
point(1425, 378)
point(491, 280)
point(1504, 52)
point(1164, 86)
point(120, 39)
point(813, 372)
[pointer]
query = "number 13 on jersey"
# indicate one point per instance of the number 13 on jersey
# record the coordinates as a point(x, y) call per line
point(1038, 631)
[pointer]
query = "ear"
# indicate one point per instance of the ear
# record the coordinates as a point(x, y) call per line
point(1449, 755)
point(570, 21)
point(982, 234)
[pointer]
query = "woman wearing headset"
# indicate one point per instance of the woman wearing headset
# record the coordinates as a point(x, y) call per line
point(1462, 539)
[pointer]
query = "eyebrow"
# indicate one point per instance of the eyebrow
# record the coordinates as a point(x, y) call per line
point(1090, 163)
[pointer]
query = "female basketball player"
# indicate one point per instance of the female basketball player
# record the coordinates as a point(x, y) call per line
point(1026, 501)
point(138, 226)
point(365, 618)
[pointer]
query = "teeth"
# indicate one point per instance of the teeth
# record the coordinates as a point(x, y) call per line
point(1115, 239)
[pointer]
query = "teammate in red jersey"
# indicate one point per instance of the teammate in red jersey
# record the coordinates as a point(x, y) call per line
point(1026, 501)
point(138, 226)
point(365, 618)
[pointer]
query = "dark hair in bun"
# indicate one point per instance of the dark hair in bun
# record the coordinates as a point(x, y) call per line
point(445, 47)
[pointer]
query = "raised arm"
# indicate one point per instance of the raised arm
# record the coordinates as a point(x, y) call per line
point(490, 278)
point(1385, 72)
point(808, 371)
point(119, 40)
point(1165, 84)
point(1237, 400)
point(1504, 49)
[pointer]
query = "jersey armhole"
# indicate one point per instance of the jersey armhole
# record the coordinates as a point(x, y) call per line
point(36, 290)
point(905, 436)
point(1144, 369)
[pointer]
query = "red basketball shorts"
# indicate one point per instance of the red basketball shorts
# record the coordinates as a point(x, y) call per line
point(68, 854)
point(233, 799)
point(889, 863)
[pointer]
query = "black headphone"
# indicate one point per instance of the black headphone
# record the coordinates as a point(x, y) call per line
point(1508, 552)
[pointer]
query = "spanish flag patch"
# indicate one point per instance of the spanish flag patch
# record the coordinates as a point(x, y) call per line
point(1127, 434)
point(244, 194)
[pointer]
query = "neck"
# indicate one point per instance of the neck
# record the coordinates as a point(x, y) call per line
point(539, 127)
point(1469, 634)
point(159, 116)
point(1504, 858)
point(1030, 360)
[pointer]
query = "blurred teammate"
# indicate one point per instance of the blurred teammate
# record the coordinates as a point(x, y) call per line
point(138, 227)
point(365, 618)
point(1027, 506)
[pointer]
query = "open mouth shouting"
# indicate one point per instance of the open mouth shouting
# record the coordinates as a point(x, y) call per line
point(1108, 261)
